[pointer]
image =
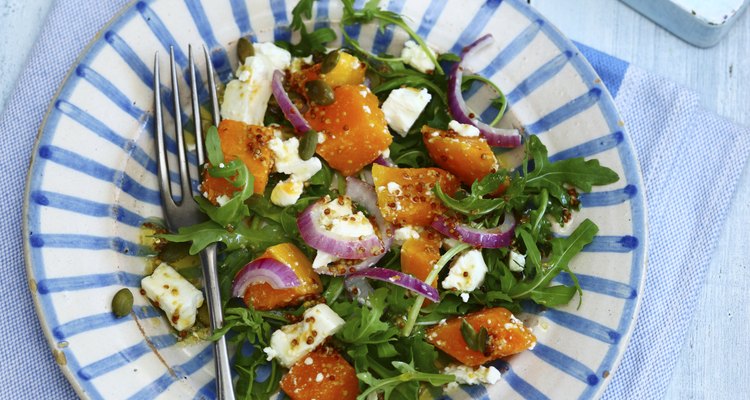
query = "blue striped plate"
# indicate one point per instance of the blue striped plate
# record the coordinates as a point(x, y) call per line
point(92, 184)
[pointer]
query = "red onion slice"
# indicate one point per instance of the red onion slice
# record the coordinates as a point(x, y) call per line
point(287, 106)
point(364, 195)
point(460, 112)
point(384, 161)
point(268, 270)
point(400, 279)
point(317, 237)
point(494, 238)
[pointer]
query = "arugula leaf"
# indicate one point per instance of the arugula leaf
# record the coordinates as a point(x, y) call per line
point(241, 236)
point(310, 42)
point(408, 375)
point(563, 250)
point(371, 12)
point(364, 324)
point(575, 172)
point(213, 146)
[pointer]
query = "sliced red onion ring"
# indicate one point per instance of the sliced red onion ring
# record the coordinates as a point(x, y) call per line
point(494, 238)
point(400, 279)
point(384, 161)
point(268, 270)
point(460, 112)
point(287, 106)
point(364, 194)
point(317, 237)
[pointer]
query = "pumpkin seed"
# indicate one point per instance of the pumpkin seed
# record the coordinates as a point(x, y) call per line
point(308, 144)
point(329, 62)
point(319, 92)
point(244, 50)
point(122, 303)
point(203, 316)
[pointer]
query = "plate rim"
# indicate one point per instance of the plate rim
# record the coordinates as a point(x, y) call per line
point(582, 66)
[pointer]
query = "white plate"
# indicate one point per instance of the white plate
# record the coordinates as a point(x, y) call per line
point(92, 183)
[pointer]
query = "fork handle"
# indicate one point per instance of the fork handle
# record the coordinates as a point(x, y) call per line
point(224, 390)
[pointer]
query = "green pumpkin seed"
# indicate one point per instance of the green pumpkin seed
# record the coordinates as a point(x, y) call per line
point(203, 317)
point(329, 62)
point(319, 92)
point(308, 144)
point(122, 303)
point(244, 49)
point(174, 251)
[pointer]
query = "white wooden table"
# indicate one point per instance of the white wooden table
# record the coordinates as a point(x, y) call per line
point(716, 355)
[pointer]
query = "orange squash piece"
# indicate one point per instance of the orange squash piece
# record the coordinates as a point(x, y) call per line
point(321, 375)
point(354, 128)
point(469, 158)
point(264, 297)
point(419, 256)
point(507, 336)
point(249, 143)
point(412, 202)
point(348, 71)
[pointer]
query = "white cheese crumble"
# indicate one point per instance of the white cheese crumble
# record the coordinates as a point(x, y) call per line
point(341, 220)
point(467, 272)
point(404, 233)
point(287, 161)
point(470, 376)
point(414, 55)
point(517, 261)
point(287, 192)
point(292, 342)
point(403, 106)
point(393, 188)
point(223, 200)
point(464, 130)
point(246, 98)
point(465, 297)
point(175, 295)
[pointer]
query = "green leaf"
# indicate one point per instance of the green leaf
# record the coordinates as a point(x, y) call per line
point(365, 325)
point(553, 296)
point(563, 250)
point(408, 374)
point(213, 146)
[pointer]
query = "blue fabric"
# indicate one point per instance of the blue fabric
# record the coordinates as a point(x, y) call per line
point(661, 119)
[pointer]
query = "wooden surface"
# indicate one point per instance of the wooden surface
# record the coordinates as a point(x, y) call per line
point(716, 355)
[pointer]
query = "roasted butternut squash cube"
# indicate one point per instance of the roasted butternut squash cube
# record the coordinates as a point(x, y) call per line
point(469, 158)
point(419, 256)
point(354, 129)
point(348, 71)
point(263, 296)
point(249, 143)
point(506, 336)
point(405, 195)
point(321, 375)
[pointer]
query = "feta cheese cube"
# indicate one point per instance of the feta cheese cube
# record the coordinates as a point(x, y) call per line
point(279, 58)
point(291, 343)
point(403, 234)
point(472, 376)
point(287, 160)
point(246, 98)
point(467, 272)
point(517, 261)
point(414, 55)
point(464, 130)
point(177, 297)
point(403, 106)
point(322, 259)
point(287, 192)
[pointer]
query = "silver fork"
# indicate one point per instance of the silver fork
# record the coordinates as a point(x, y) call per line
point(186, 212)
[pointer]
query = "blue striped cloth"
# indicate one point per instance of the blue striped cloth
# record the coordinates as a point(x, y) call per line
point(688, 189)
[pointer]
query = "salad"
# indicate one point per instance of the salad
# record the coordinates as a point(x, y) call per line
point(377, 239)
